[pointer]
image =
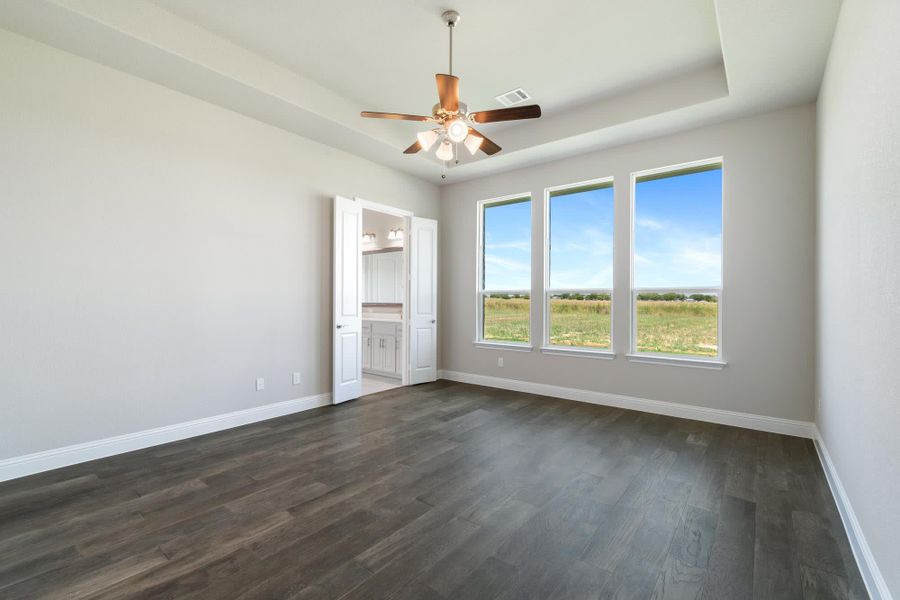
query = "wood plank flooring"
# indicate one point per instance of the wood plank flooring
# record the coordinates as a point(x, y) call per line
point(437, 492)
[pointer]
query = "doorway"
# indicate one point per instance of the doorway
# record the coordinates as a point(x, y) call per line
point(385, 298)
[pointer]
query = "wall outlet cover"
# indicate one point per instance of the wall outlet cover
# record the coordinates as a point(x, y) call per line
point(296, 378)
point(260, 384)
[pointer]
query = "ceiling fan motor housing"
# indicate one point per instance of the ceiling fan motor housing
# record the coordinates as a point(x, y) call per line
point(450, 17)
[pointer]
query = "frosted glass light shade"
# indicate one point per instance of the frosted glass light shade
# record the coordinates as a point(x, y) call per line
point(445, 151)
point(457, 130)
point(427, 139)
point(473, 143)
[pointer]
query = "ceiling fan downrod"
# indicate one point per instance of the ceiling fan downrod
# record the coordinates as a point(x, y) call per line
point(451, 17)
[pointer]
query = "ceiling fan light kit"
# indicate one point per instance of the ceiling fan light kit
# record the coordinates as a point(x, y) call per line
point(453, 119)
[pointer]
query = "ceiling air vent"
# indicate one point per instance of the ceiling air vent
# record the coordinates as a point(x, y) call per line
point(511, 98)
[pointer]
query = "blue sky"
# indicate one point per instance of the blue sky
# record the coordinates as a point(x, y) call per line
point(678, 237)
point(678, 231)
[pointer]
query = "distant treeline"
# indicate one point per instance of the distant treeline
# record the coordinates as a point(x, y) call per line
point(673, 297)
point(651, 296)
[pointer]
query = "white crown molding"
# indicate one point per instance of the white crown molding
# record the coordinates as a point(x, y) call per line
point(21, 466)
point(868, 568)
point(803, 429)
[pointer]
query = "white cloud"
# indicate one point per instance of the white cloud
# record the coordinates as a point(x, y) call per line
point(507, 263)
point(649, 224)
point(523, 245)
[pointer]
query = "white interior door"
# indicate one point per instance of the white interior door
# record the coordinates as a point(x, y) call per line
point(347, 323)
point(423, 300)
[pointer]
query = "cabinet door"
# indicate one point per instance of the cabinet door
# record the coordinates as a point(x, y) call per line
point(398, 351)
point(378, 353)
point(399, 287)
point(369, 277)
point(389, 349)
point(384, 277)
point(366, 351)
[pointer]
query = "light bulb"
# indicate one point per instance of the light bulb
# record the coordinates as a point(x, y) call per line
point(445, 151)
point(473, 143)
point(457, 130)
point(427, 139)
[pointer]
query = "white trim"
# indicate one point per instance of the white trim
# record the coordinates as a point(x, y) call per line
point(577, 351)
point(804, 429)
point(479, 262)
point(720, 309)
point(868, 568)
point(503, 346)
point(383, 208)
point(675, 361)
point(601, 183)
point(21, 466)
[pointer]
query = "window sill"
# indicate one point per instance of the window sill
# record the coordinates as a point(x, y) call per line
point(504, 346)
point(578, 352)
point(677, 361)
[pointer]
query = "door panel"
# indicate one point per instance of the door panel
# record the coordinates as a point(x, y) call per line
point(423, 300)
point(347, 323)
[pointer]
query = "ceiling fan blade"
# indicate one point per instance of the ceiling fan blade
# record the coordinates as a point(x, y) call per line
point(487, 146)
point(532, 111)
point(398, 116)
point(414, 148)
point(448, 91)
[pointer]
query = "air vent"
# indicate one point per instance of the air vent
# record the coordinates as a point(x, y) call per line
point(516, 96)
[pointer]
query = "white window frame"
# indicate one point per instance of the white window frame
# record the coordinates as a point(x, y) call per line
point(547, 347)
point(718, 361)
point(480, 292)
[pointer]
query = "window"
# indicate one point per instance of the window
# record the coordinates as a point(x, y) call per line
point(677, 262)
point(504, 270)
point(578, 259)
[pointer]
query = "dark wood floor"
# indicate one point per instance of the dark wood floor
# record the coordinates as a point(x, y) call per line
point(436, 492)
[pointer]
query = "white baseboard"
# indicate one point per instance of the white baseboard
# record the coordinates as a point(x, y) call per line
point(803, 429)
point(868, 568)
point(20, 466)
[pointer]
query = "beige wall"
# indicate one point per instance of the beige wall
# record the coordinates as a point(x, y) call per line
point(157, 253)
point(769, 270)
point(859, 270)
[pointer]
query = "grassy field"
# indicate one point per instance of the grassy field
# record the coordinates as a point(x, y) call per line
point(665, 327)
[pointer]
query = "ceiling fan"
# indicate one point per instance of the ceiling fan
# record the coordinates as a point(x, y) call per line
point(452, 117)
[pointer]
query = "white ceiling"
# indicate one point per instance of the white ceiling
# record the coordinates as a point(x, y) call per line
point(605, 71)
point(384, 55)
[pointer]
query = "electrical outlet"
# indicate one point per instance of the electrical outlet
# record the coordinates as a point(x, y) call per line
point(296, 378)
point(499, 361)
point(260, 384)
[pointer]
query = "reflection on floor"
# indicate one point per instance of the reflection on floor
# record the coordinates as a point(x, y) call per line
point(372, 384)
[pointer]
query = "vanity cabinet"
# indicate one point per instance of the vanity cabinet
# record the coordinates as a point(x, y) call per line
point(382, 354)
point(383, 277)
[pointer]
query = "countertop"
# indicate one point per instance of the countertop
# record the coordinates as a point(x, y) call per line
point(384, 319)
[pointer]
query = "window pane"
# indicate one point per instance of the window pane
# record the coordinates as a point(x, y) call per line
point(581, 239)
point(507, 246)
point(678, 230)
point(580, 320)
point(506, 318)
point(674, 323)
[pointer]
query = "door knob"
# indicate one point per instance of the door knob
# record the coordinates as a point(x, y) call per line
point(433, 321)
point(338, 326)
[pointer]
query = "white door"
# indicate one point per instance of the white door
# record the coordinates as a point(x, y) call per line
point(423, 300)
point(347, 323)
